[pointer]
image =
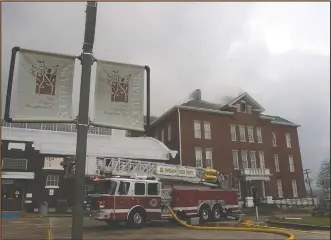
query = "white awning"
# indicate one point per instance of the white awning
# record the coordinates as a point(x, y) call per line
point(64, 143)
point(17, 175)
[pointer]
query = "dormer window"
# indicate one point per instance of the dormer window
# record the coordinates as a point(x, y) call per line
point(243, 107)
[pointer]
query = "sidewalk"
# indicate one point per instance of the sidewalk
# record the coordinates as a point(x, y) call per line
point(52, 215)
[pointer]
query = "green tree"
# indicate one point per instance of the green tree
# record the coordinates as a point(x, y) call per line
point(323, 176)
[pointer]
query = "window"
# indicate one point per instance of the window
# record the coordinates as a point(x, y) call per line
point(207, 131)
point(153, 189)
point(162, 135)
point(276, 162)
point(259, 134)
point(235, 159)
point(288, 140)
point(14, 164)
point(294, 188)
point(53, 163)
point(61, 127)
point(279, 188)
point(88, 189)
point(237, 186)
point(243, 107)
point(242, 134)
point(139, 189)
point(291, 163)
point(209, 158)
point(250, 131)
point(262, 163)
point(104, 131)
point(233, 133)
point(52, 181)
point(244, 159)
point(169, 132)
point(198, 157)
point(33, 125)
point(253, 159)
point(249, 109)
point(123, 188)
point(197, 129)
point(274, 140)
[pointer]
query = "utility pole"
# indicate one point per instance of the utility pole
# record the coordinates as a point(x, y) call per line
point(308, 180)
point(87, 60)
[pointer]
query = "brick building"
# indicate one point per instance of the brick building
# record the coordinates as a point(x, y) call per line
point(258, 153)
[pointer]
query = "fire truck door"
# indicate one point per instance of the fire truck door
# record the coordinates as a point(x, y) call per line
point(121, 200)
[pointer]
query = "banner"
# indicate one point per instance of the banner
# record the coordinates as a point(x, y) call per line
point(176, 171)
point(119, 96)
point(42, 87)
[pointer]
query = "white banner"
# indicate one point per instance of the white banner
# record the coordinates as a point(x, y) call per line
point(119, 96)
point(42, 87)
point(176, 171)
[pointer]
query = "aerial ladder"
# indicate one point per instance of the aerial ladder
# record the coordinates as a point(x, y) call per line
point(161, 171)
point(122, 167)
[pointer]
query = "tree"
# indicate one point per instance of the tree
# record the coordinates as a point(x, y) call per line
point(323, 176)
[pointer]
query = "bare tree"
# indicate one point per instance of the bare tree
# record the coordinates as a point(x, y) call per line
point(45, 77)
point(323, 176)
point(119, 86)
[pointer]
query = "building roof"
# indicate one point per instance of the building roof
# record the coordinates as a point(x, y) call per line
point(198, 104)
point(64, 143)
point(202, 104)
point(278, 119)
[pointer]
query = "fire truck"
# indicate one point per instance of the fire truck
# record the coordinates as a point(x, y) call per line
point(135, 192)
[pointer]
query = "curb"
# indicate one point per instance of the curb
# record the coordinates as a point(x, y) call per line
point(298, 226)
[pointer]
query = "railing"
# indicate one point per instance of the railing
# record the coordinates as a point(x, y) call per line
point(55, 127)
point(255, 171)
point(14, 164)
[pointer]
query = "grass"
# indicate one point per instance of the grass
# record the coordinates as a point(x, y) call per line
point(317, 221)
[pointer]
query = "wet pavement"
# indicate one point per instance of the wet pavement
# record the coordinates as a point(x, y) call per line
point(24, 228)
point(37, 228)
point(157, 230)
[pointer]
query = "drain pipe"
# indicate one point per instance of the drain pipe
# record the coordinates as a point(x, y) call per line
point(180, 139)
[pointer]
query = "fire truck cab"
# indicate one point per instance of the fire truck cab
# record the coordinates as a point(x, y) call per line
point(124, 199)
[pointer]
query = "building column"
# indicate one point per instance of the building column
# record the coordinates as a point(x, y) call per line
point(268, 184)
point(247, 188)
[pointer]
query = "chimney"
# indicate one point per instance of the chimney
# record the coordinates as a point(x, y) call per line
point(196, 95)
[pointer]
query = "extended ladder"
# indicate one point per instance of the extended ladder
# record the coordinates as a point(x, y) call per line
point(136, 168)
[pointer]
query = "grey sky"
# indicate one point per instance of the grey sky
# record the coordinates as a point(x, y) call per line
point(278, 52)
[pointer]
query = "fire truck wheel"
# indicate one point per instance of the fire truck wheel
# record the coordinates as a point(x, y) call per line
point(216, 214)
point(204, 214)
point(137, 218)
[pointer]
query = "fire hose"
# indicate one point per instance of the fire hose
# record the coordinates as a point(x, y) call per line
point(289, 236)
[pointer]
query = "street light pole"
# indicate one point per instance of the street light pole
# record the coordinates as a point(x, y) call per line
point(308, 180)
point(87, 60)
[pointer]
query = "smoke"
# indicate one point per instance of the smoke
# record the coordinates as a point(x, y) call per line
point(227, 95)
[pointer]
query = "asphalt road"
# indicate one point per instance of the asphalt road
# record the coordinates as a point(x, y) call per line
point(37, 228)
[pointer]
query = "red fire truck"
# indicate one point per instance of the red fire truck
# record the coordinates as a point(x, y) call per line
point(138, 191)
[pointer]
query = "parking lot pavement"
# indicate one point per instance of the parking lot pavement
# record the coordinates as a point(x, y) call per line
point(61, 229)
point(305, 235)
point(28, 228)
